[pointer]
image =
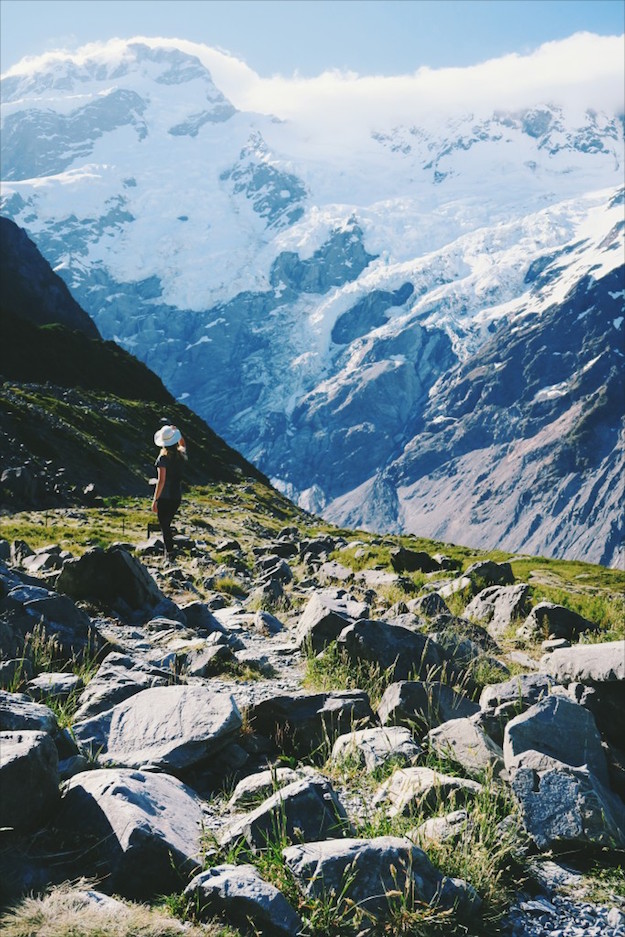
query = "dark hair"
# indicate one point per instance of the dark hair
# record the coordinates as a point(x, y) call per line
point(174, 452)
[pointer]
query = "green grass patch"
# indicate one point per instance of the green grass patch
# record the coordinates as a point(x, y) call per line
point(606, 609)
point(333, 670)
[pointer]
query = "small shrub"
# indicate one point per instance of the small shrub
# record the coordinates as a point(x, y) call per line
point(229, 586)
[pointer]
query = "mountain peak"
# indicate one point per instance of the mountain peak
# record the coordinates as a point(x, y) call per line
point(62, 81)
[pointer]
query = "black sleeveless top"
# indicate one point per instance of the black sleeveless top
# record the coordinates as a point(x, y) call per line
point(174, 465)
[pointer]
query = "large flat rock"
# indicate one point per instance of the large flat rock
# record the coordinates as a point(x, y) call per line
point(172, 728)
point(586, 663)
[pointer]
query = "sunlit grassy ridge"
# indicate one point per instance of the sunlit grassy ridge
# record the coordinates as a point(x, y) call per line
point(252, 513)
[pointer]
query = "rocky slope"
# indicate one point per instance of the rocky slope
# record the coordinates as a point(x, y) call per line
point(239, 730)
point(306, 301)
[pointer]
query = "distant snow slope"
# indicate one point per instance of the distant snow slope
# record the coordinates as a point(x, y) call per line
point(315, 304)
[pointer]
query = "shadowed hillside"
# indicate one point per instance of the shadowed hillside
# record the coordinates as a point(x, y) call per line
point(76, 411)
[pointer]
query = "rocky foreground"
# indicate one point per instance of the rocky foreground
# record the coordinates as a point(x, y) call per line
point(287, 751)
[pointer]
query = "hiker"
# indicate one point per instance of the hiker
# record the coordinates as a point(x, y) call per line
point(168, 492)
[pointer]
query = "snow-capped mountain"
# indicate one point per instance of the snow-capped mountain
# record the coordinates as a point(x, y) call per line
point(333, 313)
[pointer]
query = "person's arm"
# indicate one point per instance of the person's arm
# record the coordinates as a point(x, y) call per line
point(181, 443)
point(160, 484)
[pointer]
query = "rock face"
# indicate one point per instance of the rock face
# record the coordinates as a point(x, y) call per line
point(170, 727)
point(37, 294)
point(147, 829)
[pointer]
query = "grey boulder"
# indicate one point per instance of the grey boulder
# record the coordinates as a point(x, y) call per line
point(595, 674)
point(374, 874)
point(404, 654)
point(169, 727)
point(27, 607)
point(468, 745)
point(29, 779)
point(374, 748)
point(18, 712)
point(298, 723)
point(451, 826)
point(521, 691)
point(325, 616)
point(119, 677)
point(255, 788)
point(547, 620)
point(490, 573)
point(421, 788)
point(555, 730)
point(55, 684)
point(499, 607)
point(568, 807)
point(238, 893)
point(424, 704)
point(144, 830)
point(199, 617)
point(308, 809)
point(109, 576)
point(587, 663)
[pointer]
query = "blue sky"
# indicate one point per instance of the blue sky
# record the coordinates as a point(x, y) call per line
point(370, 37)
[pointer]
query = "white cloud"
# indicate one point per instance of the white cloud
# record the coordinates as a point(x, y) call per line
point(584, 70)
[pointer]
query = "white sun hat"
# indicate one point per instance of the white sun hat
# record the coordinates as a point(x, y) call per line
point(167, 436)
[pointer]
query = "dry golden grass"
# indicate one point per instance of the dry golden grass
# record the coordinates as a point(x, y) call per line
point(70, 911)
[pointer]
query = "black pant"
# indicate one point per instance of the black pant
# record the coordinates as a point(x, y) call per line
point(166, 509)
